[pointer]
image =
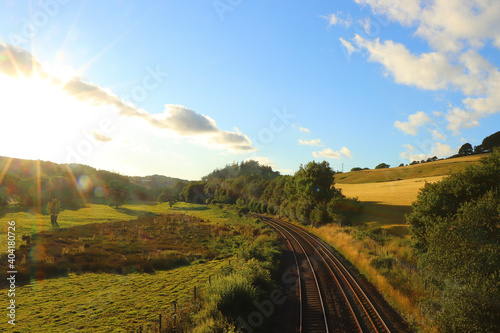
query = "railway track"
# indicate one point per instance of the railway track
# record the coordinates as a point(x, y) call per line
point(330, 297)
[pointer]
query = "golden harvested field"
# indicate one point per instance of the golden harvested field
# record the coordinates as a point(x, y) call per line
point(387, 194)
point(386, 204)
point(396, 193)
point(424, 170)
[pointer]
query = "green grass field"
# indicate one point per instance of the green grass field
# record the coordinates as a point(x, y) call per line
point(105, 302)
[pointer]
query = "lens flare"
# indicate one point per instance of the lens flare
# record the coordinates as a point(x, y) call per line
point(98, 192)
point(84, 182)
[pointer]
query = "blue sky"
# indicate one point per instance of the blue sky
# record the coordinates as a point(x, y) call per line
point(182, 87)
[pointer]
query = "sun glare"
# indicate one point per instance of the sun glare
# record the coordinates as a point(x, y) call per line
point(38, 117)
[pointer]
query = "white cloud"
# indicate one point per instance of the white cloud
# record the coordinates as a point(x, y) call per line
point(439, 150)
point(429, 71)
point(263, 161)
point(335, 19)
point(183, 121)
point(436, 135)
point(97, 135)
point(331, 154)
point(348, 46)
point(442, 150)
point(314, 142)
point(459, 119)
point(404, 12)
point(176, 118)
point(448, 25)
point(141, 149)
point(301, 129)
point(414, 122)
point(410, 154)
point(451, 25)
point(456, 31)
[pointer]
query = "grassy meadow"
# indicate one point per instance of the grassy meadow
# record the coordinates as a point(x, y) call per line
point(114, 270)
point(107, 302)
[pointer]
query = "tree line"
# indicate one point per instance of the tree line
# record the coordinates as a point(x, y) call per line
point(31, 184)
point(309, 196)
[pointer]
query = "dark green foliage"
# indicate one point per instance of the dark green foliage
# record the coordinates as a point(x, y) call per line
point(454, 228)
point(117, 192)
point(304, 197)
point(172, 193)
point(491, 142)
point(245, 169)
point(465, 150)
point(315, 181)
point(194, 193)
point(30, 182)
point(383, 166)
point(4, 201)
point(356, 169)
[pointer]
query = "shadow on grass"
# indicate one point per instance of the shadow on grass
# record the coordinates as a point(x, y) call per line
point(14, 209)
point(134, 212)
point(193, 208)
point(390, 217)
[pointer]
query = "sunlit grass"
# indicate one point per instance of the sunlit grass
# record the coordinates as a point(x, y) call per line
point(424, 170)
point(399, 285)
point(106, 302)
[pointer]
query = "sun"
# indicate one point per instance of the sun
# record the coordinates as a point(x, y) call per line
point(37, 116)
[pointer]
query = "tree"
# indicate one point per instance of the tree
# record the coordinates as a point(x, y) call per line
point(54, 206)
point(117, 192)
point(465, 150)
point(4, 201)
point(454, 229)
point(194, 193)
point(356, 169)
point(382, 166)
point(491, 142)
point(316, 181)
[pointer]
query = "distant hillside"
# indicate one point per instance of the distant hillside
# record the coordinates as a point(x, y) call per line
point(69, 182)
point(156, 181)
point(428, 169)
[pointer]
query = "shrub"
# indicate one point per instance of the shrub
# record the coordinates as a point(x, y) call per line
point(454, 229)
point(231, 295)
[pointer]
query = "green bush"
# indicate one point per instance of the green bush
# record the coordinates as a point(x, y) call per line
point(454, 229)
point(231, 295)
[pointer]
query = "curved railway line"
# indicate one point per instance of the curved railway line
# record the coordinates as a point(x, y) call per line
point(330, 298)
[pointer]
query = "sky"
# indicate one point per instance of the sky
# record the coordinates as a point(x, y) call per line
point(179, 88)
